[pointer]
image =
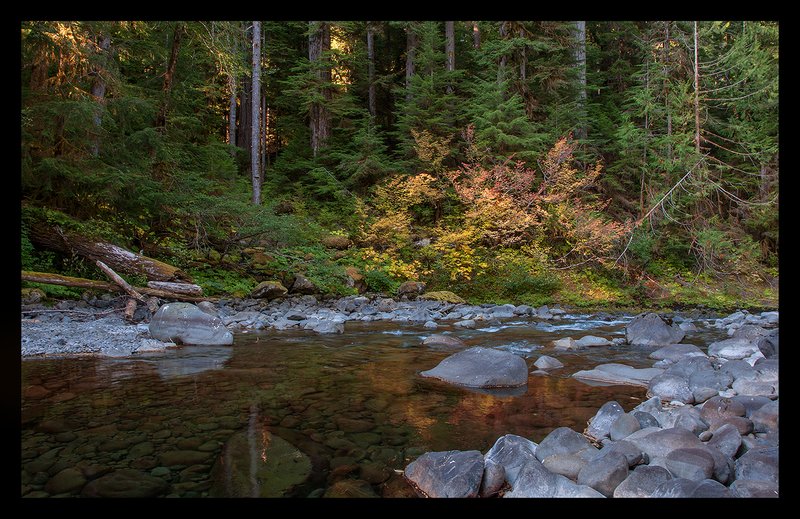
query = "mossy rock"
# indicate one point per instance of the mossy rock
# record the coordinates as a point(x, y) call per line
point(445, 296)
point(336, 242)
point(32, 296)
point(269, 290)
point(214, 256)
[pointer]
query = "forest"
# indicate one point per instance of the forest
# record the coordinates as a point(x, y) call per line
point(588, 163)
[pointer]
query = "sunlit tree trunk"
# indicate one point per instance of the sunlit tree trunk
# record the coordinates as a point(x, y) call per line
point(255, 138)
point(450, 49)
point(476, 36)
point(319, 42)
point(371, 60)
point(580, 63)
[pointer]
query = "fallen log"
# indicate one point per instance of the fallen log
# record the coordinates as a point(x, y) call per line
point(130, 309)
point(118, 258)
point(67, 281)
point(179, 288)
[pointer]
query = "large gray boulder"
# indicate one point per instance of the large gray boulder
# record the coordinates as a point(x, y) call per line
point(600, 424)
point(726, 440)
point(604, 473)
point(187, 324)
point(692, 463)
point(563, 440)
point(670, 387)
point(676, 352)
point(659, 443)
point(642, 482)
point(651, 330)
point(615, 373)
point(534, 480)
point(759, 463)
point(733, 349)
point(481, 368)
point(446, 474)
point(511, 452)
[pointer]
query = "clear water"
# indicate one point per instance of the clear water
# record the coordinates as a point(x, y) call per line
point(352, 408)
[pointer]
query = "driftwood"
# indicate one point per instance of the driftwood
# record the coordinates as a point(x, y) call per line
point(121, 282)
point(67, 281)
point(118, 258)
point(178, 288)
point(130, 309)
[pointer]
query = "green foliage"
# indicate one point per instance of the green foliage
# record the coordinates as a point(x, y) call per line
point(222, 282)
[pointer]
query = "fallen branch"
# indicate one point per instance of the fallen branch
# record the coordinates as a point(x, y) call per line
point(121, 282)
point(179, 288)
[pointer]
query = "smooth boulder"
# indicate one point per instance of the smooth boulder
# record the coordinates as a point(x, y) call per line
point(446, 474)
point(479, 367)
point(615, 373)
point(511, 452)
point(187, 324)
point(650, 330)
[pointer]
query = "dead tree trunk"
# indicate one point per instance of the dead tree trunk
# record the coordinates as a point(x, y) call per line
point(118, 258)
point(91, 284)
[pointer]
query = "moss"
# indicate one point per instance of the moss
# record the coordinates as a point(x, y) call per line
point(444, 296)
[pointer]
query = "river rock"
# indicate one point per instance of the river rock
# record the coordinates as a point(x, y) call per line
point(661, 442)
point(600, 424)
point(623, 426)
point(511, 452)
point(446, 474)
point(726, 439)
point(411, 289)
point(269, 290)
point(278, 467)
point(650, 330)
point(709, 379)
point(690, 463)
point(350, 488)
point(125, 483)
point(719, 407)
point(765, 418)
point(592, 341)
point(326, 326)
point(743, 425)
point(760, 463)
point(754, 387)
point(446, 341)
point(645, 419)
point(302, 285)
point(566, 464)
point(732, 349)
point(547, 362)
point(481, 368)
point(687, 326)
point(466, 323)
point(562, 440)
point(614, 373)
point(628, 450)
point(534, 480)
point(67, 480)
point(185, 323)
point(768, 346)
point(443, 296)
point(604, 473)
point(642, 481)
point(566, 343)
point(754, 488)
point(671, 387)
point(183, 457)
point(494, 477)
point(676, 352)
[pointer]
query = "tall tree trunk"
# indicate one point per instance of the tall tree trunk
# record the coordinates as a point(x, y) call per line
point(696, 95)
point(243, 135)
point(411, 51)
point(255, 138)
point(523, 57)
point(99, 93)
point(232, 113)
point(319, 42)
point(476, 36)
point(580, 62)
point(666, 91)
point(169, 76)
point(450, 50)
point(371, 60)
point(264, 132)
point(501, 68)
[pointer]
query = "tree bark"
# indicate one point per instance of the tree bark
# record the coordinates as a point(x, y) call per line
point(130, 309)
point(501, 68)
point(232, 113)
point(580, 61)
point(169, 76)
point(450, 49)
point(476, 36)
point(99, 93)
point(179, 288)
point(411, 51)
point(255, 117)
point(371, 71)
point(91, 284)
point(118, 258)
point(319, 42)
point(666, 51)
point(696, 95)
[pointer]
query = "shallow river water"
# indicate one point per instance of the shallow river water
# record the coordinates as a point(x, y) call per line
point(295, 414)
